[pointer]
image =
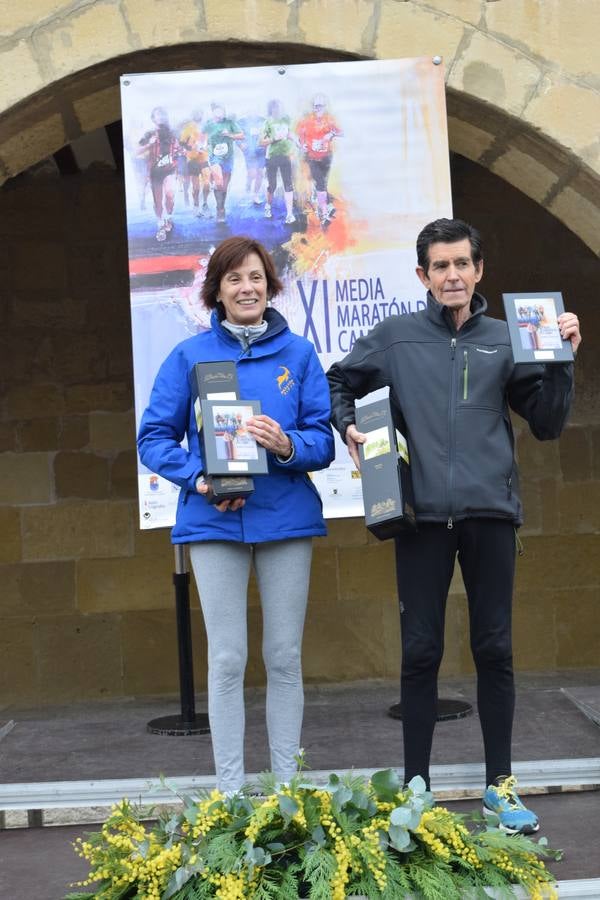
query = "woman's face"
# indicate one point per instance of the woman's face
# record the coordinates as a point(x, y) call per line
point(243, 292)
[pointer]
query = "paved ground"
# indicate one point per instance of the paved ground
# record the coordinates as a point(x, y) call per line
point(344, 726)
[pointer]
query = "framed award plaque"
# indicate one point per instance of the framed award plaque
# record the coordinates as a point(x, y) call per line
point(229, 449)
point(532, 320)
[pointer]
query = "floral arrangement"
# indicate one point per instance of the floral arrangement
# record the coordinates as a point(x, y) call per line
point(354, 837)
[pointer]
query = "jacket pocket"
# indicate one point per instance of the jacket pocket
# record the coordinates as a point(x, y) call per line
point(483, 463)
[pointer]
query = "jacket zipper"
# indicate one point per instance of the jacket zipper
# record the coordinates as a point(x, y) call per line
point(451, 425)
point(465, 375)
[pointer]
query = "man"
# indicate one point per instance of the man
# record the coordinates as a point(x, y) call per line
point(221, 133)
point(161, 150)
point(452, 381)
point(316, 133)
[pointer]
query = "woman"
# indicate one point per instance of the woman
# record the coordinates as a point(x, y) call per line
point(278, 139)
point(273, 528)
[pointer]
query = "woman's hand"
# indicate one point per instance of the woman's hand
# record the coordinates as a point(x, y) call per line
point(269, 434)
point(224, 505)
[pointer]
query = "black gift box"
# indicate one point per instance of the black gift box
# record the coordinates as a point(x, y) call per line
point(384, 468)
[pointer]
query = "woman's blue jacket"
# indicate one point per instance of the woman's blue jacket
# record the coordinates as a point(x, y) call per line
point(282, 370)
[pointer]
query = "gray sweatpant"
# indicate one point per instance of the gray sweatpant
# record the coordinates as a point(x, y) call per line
point(222, 570)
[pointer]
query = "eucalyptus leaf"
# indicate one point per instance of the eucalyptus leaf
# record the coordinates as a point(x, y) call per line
point(360, 800)
point(177, 880)
point(428, 799)
point(418, 804)
point(406, 816)
point(417, 785)
point(172, 824)
point(386, 784)
point(318, 836)
point(275, 846)
point(288, 807)
point(399, 837)
point(190, 814)
point(258, 857)
point(340, 796)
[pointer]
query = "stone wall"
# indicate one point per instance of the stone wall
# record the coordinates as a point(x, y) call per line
point(86, 603)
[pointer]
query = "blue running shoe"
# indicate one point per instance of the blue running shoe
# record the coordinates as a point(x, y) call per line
point(501, 800)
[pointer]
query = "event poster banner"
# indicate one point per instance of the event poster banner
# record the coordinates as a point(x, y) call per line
point(335, 167)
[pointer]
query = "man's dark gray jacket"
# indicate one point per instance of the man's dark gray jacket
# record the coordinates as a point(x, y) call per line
point(451, 392)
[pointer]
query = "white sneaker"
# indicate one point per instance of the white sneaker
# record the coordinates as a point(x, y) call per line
point(268, 213)
point(290, 219)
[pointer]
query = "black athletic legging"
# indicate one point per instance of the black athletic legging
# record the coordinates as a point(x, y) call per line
point(284, 165)
point(424, 566)
point(319, 170)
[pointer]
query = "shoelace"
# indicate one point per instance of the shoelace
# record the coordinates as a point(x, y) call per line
point(507, 790)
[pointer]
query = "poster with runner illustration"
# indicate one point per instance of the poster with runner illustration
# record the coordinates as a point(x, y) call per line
point(335, 167)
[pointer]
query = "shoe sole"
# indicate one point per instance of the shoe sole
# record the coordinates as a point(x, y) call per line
point(526, 829)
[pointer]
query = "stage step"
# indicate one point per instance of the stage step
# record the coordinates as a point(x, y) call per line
point(460, 780)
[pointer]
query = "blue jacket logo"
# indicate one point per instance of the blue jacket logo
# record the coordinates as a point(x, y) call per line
point(285, 381)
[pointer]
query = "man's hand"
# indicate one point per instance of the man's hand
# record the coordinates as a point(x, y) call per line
point(354, 437)
point(568, 324)
point(231, 505)
point(270, 435)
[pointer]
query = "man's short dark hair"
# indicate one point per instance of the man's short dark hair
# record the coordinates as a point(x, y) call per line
point(447, 231)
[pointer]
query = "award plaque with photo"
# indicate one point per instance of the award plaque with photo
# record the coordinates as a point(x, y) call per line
point(229, 449)
point(218, 381)
point(384, 468)
point(532, 320)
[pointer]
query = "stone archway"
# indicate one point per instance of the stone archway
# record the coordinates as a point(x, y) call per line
point(523, 95)
point(82, 585)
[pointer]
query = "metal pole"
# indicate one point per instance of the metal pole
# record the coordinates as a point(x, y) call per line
point(189, 722)
point(181, 581)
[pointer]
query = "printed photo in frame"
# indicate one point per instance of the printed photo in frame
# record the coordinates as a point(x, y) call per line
point(228, 447)
point(533, 327)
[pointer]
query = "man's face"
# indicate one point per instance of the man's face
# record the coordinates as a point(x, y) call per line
point(452, 274)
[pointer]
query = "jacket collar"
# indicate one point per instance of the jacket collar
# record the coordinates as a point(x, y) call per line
point(440, 314)
point(276, 324)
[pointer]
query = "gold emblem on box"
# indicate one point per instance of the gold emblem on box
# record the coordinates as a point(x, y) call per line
point(384, 507)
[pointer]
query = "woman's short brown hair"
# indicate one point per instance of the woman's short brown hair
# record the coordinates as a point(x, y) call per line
point(229, 254)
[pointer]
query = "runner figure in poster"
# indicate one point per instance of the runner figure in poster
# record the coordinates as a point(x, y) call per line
point(316, 133)
point(254, 155)
point(222, 132)
point(193, 141)
point(161, 149)
point(278, 139)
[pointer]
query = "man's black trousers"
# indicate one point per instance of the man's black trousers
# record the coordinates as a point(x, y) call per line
point(424, 566)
